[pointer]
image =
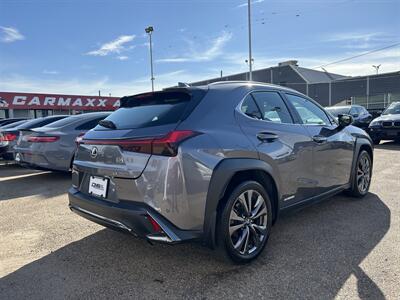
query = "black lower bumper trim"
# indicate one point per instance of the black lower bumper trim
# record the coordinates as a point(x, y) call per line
point(129, 217)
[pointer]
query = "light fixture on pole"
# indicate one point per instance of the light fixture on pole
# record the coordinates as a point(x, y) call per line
point(376, 68)
point(250, 55)
point(149, 30)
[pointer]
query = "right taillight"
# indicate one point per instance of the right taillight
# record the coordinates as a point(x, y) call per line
point(166, 145)
point(8, 137)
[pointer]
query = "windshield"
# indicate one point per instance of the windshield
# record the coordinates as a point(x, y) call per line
point(148, 110)
point(393, 109)
point(336, 111)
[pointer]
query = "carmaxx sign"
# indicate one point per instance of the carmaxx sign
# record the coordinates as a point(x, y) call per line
point(54, 101)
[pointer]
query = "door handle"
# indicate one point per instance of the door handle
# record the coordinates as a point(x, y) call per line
point(267, 136)
point(319, 139)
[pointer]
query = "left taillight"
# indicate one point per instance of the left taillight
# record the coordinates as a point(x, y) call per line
point(8, 137)
point(42, 139)
point(79, 138)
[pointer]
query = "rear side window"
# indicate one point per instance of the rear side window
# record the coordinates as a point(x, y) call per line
point(151, 109)
point(250, 108)
point(62, 122)
point(272, 107)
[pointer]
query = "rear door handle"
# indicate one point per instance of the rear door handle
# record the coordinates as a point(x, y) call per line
point(267, 136)
point(319, 139)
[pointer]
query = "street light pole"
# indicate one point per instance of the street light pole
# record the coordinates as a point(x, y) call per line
point(376, 68)
point(250, 55)
point(149, 30)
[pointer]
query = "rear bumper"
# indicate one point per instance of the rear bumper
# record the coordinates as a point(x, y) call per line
point(36, 160)
point(384, 133)
point(129, 217)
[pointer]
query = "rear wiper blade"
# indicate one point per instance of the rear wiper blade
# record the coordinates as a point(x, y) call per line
point(108, 124)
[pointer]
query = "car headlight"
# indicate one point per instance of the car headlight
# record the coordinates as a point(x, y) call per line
point(375, 123)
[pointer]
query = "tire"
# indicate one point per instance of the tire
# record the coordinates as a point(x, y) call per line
point(242, 235)
point(362, 175)
point(376, 141)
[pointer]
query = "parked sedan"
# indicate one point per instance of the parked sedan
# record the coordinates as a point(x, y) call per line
point(9, 135)
point(361, 116)
point(387, 126)
point(52, 147)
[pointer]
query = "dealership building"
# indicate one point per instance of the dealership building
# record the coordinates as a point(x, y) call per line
point(374, 92)
point(27, 105)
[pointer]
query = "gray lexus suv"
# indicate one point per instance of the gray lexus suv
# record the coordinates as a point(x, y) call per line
point(216, 164)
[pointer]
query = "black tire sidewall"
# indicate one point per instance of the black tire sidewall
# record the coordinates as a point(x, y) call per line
point(355, 187)
point(223, 226)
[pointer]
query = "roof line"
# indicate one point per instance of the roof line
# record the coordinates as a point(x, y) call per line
point(298, 73)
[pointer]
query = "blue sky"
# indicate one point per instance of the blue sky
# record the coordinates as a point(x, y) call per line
point(82, 46)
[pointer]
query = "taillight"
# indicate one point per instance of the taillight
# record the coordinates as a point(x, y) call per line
point(166, 146)
point(8, 137)
point(42, 139)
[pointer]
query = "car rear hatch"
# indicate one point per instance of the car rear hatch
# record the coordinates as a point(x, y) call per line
point(145, 125)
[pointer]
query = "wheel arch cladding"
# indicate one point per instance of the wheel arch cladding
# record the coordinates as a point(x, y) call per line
point(226, 176)
point(362, 143)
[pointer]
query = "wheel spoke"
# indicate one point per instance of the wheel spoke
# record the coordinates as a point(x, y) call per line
point(243, 202)
point(234, 228)
point(255, 236)
point(236, 217)
point(246, 244)
point(241, 240)
point(257, 206)
point(249, 200)
point(262, 212)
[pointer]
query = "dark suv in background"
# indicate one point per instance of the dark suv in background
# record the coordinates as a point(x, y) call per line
point(361, 116)
point(387, 126)
point(216, 163)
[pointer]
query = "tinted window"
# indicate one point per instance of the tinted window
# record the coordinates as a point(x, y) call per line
point(308, 111)
point(336, 111)
point(12, 125)
point(90, 124)
point(36, 123)
point(393, 109)
point(272, 107)
point(250, 108)
point(148, 110)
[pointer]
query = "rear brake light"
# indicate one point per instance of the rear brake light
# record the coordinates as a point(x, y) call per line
point(79, 138)
point(8, 137)
point(166, 146)
point(42, 139)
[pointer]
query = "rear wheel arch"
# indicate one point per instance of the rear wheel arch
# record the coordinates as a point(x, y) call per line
point(226, 176)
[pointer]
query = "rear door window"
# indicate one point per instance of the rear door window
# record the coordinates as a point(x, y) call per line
point(272, 107)
point(149, 110)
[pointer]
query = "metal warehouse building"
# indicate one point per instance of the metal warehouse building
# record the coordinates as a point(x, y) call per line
point(374, 92)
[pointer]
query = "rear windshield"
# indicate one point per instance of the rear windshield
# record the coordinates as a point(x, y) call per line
point(12, 125)
point(336, 111)
point(35, 123)
point(148, 110)
point(62, 122)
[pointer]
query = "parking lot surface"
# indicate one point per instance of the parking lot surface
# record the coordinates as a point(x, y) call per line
point(339, 248)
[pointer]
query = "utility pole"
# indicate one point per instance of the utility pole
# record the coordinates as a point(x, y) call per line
point(149, 30)
point(250, 55)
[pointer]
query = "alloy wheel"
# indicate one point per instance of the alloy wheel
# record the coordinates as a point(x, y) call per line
point(363, 173)
point(248, 222)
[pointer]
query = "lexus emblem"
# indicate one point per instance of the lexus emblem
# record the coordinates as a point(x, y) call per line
point(94, 152)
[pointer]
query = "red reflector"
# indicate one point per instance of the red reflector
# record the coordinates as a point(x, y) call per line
point(154, 224)
point(8, 137)
point(43, 139)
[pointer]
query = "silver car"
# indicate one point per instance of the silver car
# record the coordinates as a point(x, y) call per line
point(216, 164)
point(52, 147)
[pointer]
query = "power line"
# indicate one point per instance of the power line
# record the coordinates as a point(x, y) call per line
point(358, 55)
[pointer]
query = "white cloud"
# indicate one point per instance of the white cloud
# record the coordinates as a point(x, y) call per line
point(10, 34)
point(50, 72)
point(115, 46)
point(213, 52)
point(253, 2)
point(122, 57)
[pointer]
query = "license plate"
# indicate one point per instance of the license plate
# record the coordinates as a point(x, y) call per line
point(98, 186)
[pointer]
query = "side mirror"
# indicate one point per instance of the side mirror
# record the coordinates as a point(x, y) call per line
point(345, 120)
